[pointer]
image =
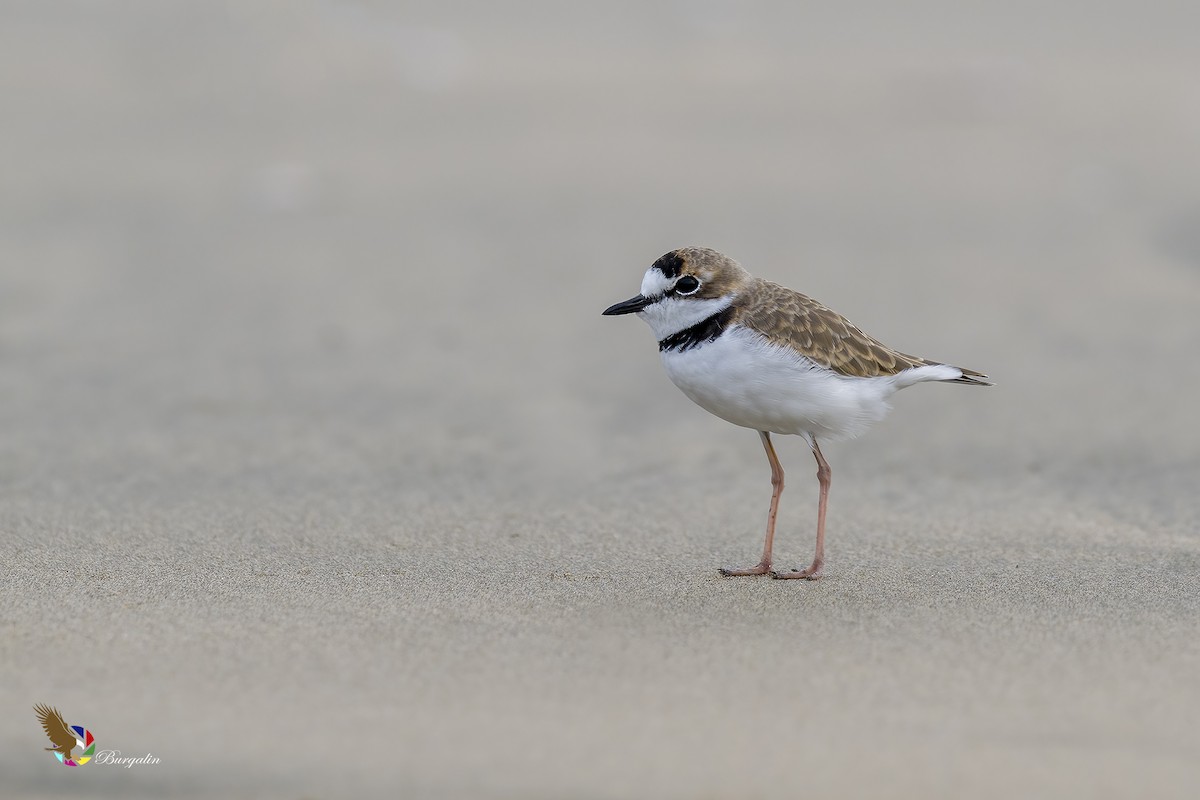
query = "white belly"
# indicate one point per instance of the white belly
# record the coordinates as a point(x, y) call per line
point(744, 379)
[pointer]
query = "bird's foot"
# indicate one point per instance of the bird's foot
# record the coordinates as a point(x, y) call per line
point(810, 574)
point(762, 568)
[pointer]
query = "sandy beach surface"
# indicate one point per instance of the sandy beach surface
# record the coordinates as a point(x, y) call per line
point(321, 475)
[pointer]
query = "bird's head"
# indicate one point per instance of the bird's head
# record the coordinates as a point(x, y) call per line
point(684, 287)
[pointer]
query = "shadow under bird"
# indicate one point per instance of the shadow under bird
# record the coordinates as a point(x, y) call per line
point(766, 357)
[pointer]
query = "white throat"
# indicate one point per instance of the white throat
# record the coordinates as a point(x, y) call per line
point(670, 315)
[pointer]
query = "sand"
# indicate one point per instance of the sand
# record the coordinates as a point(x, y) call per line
point(322, 476)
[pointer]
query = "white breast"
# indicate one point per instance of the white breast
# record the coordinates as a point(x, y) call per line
point(744, 379)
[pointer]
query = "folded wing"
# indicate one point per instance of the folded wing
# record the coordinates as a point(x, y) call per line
point(787, 317)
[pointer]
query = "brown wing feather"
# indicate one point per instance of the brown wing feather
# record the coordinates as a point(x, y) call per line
point(54, 726)
point(821, 334)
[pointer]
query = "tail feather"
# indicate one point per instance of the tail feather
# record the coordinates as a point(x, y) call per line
point(942, 373)
point(967, 376)
point(972, 378)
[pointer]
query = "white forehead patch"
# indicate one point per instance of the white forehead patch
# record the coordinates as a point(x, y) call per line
point(655, 283)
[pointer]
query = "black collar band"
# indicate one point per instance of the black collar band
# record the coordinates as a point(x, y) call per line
point(703, 331)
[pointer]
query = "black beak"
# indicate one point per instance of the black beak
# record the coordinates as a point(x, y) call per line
point(630, 306)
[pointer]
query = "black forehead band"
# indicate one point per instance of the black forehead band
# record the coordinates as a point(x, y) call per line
point(669, 265)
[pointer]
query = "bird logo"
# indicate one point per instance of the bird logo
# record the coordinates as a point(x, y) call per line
point(67, 739)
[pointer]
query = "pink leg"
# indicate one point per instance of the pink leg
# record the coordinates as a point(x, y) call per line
point(823, 475)
point(764, 566)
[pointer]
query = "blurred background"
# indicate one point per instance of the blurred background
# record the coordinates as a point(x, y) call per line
point(315, 441)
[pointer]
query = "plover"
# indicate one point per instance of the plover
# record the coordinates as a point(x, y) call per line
point(766, 357)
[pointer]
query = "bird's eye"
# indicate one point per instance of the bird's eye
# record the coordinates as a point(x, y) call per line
point(686, 285)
